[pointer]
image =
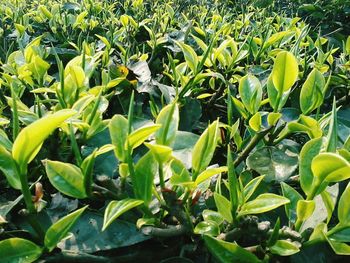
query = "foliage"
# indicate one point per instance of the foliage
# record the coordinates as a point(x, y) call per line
point(219, 124)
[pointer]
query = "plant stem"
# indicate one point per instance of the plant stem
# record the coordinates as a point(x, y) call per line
point(255, 140)
point(161, 176)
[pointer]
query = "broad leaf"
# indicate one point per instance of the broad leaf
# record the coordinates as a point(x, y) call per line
point(169, 119)
point(330, 167)
point(117, 208)
point(284, 248)
point(263, 203)
point(59, 229)
point(18, 250)
point(118, 130)
point(30, 139)
point(210, 228)
point(224, 207)
point(145, 171)
point(285, 71)
point(8, 167)
point(226, 252)
point(311, 149)
point(344, 207)
point(206, 174)
point(66, 178)
point(250, 91)
point(311, 96)
point(136, 138)
point(204, 149)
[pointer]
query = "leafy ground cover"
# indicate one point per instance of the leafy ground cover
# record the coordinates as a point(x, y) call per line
point(174, 131)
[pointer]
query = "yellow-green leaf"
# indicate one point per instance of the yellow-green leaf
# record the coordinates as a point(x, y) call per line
point(285, 71)
point(30, 139)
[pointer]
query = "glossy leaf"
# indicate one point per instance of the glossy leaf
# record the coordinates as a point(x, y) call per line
point(160, 152)
point(118, 130)
point(332, 136)
point(226, 252)
point(285, 71)
point(19, 250)
point(224, 207)
point(136, 138)
point(207, 228)
point(344, 206)
point(60, 229)
point(294, 196)
point(66, 178)
point(117, 208)
point(305, 209)
point(210, 215)
point(284, 248)
point(206, 174)
point(309, 151)
point(250, 188)
point(311, 95)
point(330, 167)
point(204, 149)
point(8, 167)
point(190, 56)
point(263, 203)
point(250, 91)
point(30, 139)
point(145, 170)
point(255, 122)
point(169, 119)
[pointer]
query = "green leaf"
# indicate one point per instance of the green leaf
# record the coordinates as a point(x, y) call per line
point(210, 228)
point(30, 139)
point(234, 187)
point(344, 206)
point(204, 149)
point(206, 174)
point(284, 248)
point(347, 46)
point(275, 38)
point(338, 247)
point(160, 152)
point(332, 136)
point(117, 208)
point(311, 95)
point(59, 229)
point(255, 122)
point(263, 203)
point(305, 209)
point(330, 167)
point(309, 151)
point(118, 130)
point(87, 167)
point(275, 233)
point(136, 138)
point(169, 119)
point(145, 170)
point(293, 195)
point(224, 207)
point(250, 91)
point(226, 252)
point(180, 174)
point(190, 56)
point(273, 118)
point(250, 188)
point(8, 167)
point(329, 203)
point(210, 215)
point(285, 71)
point(66, 178)
point(19, 250)
point(273, 95)
point(276, 163)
